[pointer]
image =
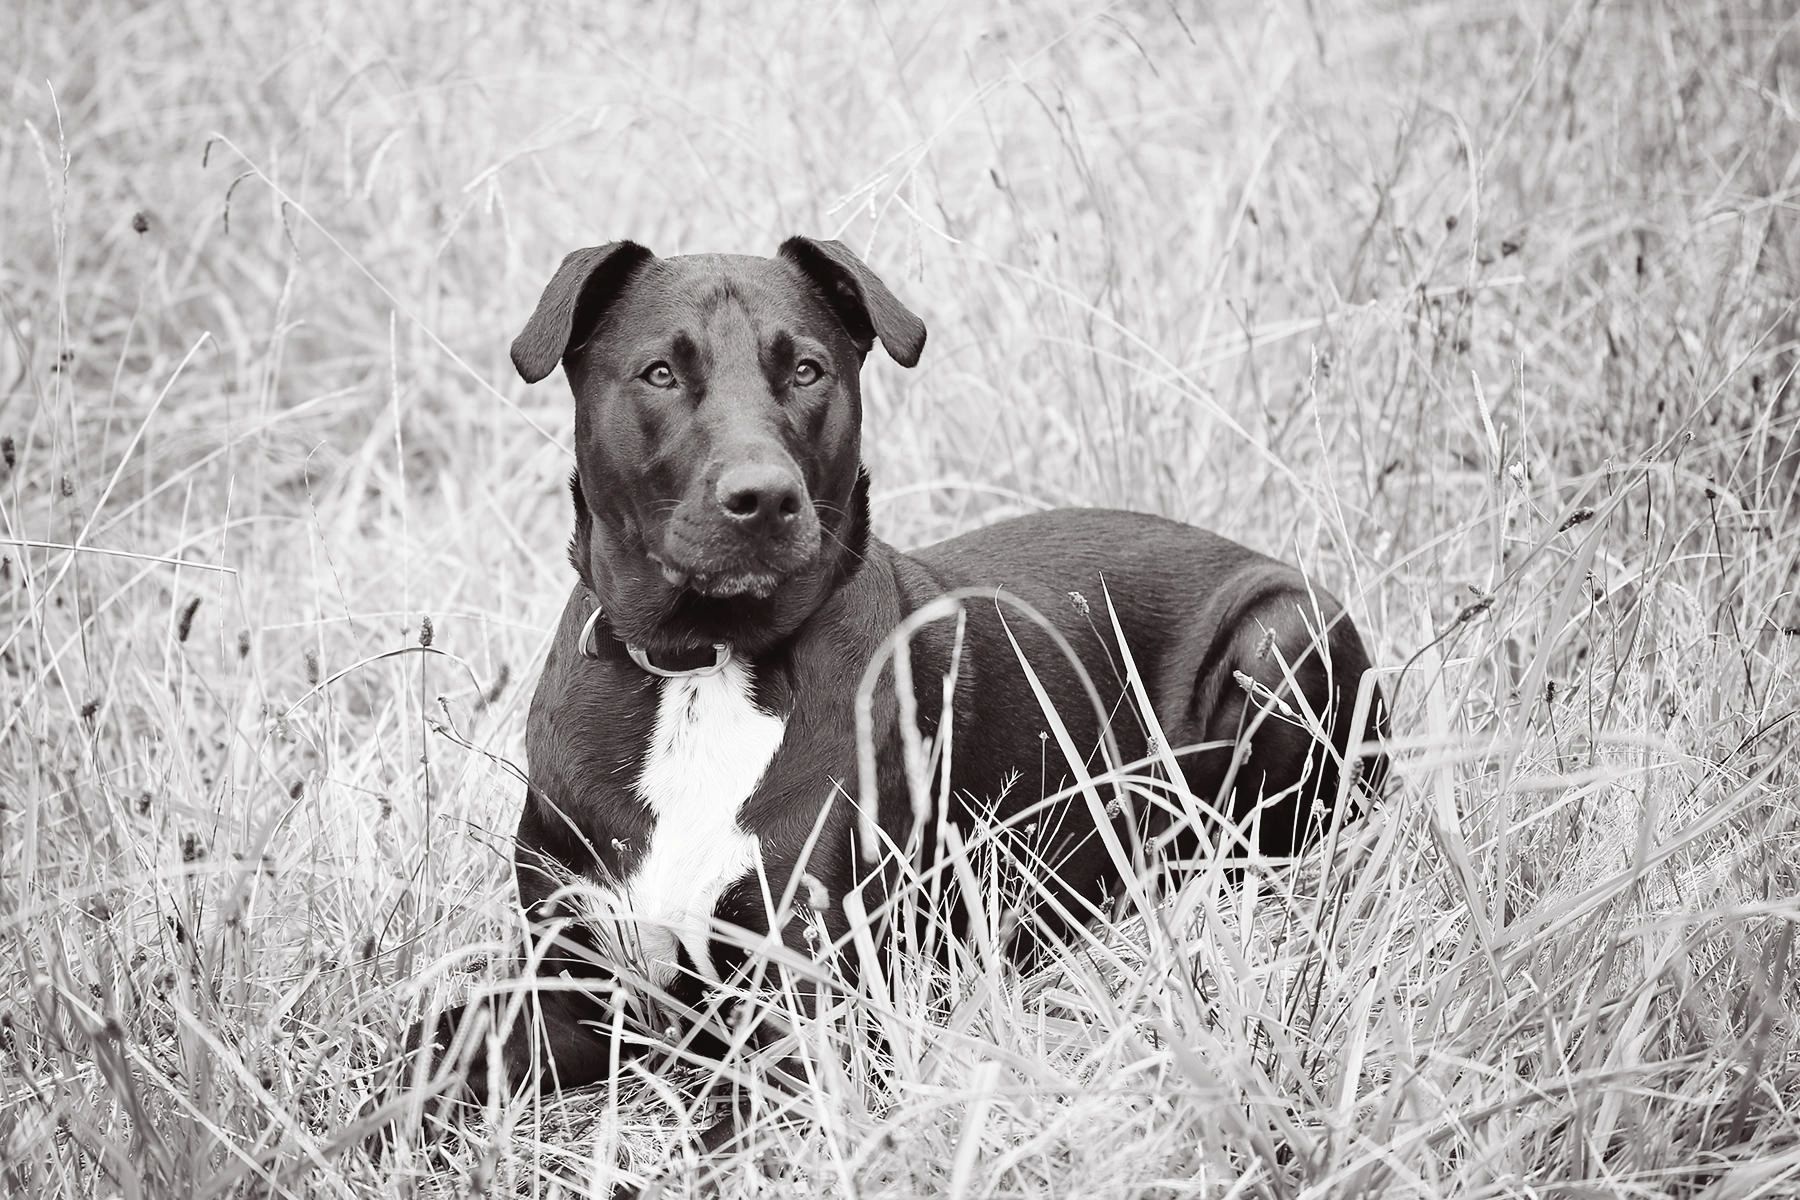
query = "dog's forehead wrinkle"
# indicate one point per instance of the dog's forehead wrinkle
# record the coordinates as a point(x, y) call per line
point(729, 317)
point(739, 338)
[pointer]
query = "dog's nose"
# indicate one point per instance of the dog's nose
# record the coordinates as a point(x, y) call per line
point(759, 497)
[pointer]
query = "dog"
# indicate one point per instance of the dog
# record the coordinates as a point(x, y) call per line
point(695, 757)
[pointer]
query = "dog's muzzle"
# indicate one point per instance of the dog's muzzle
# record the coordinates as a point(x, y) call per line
point(755, 529)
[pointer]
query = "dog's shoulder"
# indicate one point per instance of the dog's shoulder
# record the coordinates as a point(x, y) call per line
point(589, 718)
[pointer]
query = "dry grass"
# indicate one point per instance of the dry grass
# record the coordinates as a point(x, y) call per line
point(1485, 311)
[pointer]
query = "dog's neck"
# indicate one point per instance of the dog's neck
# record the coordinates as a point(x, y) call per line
point(850, 545)
point(843, 551)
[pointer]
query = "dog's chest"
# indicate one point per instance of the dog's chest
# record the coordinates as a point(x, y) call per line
point(708, 749)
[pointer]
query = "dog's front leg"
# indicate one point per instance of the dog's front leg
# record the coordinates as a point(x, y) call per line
point(552, 1039)
point(730, 1132)
point(553, 1030)
point(791, 1002)
point(495, 1046)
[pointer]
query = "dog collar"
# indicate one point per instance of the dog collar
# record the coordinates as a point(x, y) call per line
point(590, 648)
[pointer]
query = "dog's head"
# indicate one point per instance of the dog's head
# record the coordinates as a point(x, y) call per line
point(718, 430)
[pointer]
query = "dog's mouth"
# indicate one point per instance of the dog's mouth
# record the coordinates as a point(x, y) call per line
point(701, 558)
point(725, 583)
point(728, 579)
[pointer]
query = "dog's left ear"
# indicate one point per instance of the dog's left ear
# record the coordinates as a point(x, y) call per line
point(859, 298)
point(572, 304)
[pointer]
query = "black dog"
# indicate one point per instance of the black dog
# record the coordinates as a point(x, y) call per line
point(693, 741)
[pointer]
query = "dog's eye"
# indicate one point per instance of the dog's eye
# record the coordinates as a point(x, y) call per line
point(658, 374)
point(807, 372)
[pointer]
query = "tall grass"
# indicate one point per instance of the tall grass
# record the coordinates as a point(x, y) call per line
point(1484, 312)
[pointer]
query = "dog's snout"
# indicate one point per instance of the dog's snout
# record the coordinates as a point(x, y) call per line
point(760, 497)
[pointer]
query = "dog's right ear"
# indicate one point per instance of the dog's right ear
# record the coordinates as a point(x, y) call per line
point(572, 304)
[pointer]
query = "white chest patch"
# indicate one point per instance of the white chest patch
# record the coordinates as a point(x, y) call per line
point(709, 749)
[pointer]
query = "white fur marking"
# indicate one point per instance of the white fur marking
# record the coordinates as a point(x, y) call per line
point(709, 749)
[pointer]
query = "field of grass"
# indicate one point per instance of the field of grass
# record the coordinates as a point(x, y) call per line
point(1486, 312)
